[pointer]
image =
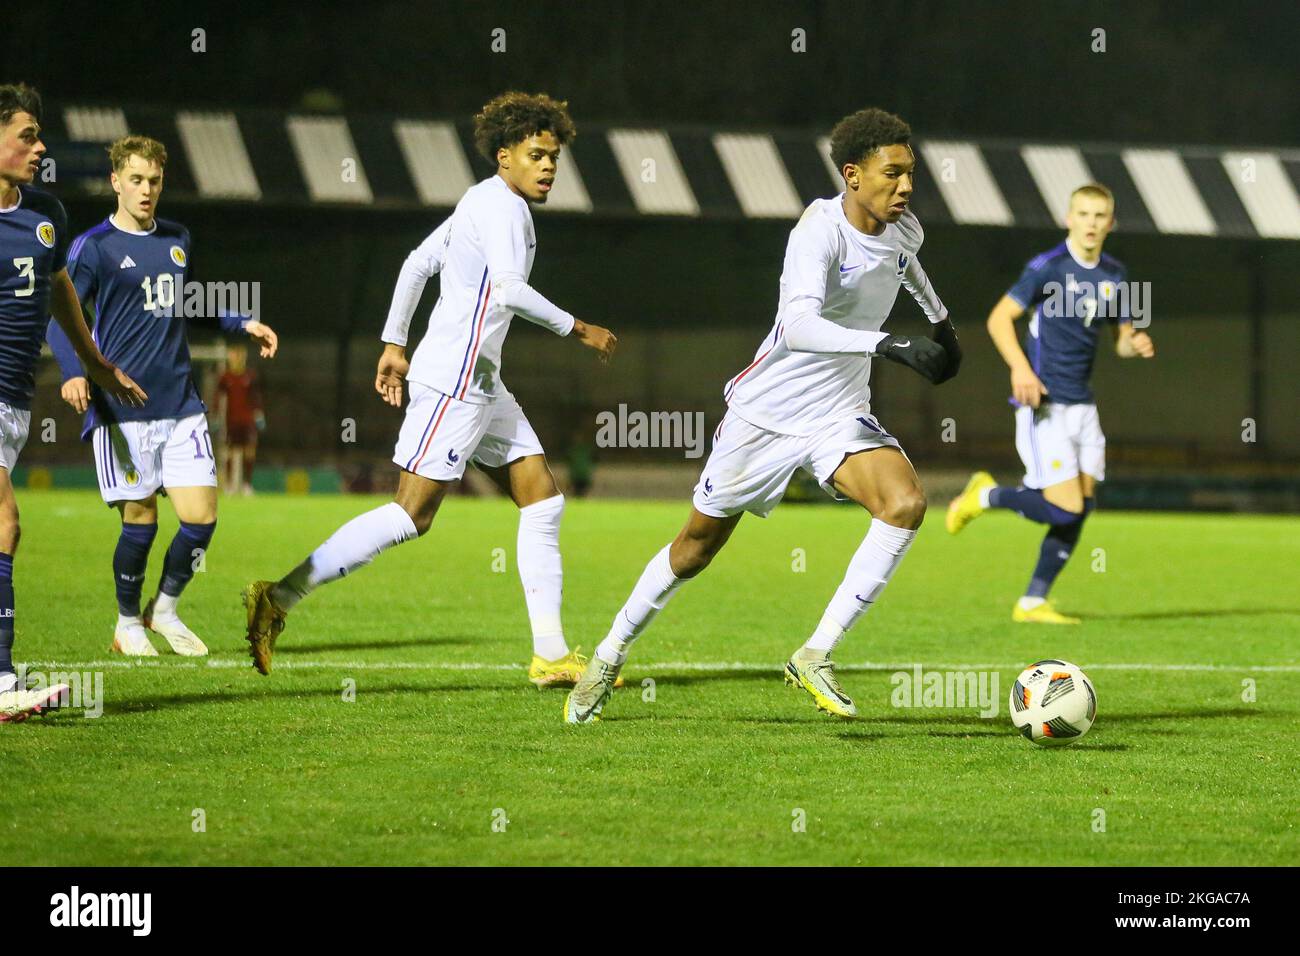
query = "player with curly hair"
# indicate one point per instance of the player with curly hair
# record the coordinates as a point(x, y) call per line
point(459, 410)
point(804, 403)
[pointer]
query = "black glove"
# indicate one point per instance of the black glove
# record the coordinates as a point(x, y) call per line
point(921, 355)
point(946, 336)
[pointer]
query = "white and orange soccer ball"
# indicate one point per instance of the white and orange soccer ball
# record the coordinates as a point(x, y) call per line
point(1053, 703)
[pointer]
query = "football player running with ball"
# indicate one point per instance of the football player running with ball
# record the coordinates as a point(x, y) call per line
point(804, 403)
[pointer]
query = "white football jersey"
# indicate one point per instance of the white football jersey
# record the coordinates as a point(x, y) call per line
point(846, 277)
point(484, 254)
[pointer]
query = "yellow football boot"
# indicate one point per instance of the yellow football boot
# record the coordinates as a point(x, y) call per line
point(562, 672)
point(265, 622)
point(814, 672)
point(966, 507)
point(1042, 614)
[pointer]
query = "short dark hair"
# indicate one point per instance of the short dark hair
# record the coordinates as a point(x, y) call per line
point(513, 117)
point(860, 134)
point(18, 98)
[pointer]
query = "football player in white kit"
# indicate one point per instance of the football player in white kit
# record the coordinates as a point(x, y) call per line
point(459, 410)
point(804, 402)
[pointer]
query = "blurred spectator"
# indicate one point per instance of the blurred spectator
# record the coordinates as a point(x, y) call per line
point(238, 414)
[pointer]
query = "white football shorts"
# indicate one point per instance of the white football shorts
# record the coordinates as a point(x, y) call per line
point(14, 423)
point(750, 467)
point(134, 459)
point(1059, 442)
point(440, 434)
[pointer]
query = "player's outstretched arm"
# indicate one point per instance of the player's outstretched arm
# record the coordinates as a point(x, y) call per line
point(391, 373)
point(66, 309)
point(503, 228)
point(1130, 343)
point(1026, 387)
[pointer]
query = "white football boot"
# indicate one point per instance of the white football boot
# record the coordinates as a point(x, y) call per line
point(182, 640)
point(17, 705)
point(131, 640)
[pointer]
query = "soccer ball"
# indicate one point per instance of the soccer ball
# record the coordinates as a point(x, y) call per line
point(1053, 703)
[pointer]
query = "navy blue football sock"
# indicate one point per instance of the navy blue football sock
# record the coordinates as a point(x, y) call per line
point(1030, 503)
point(129, 561)
point(184, 555)
point(1058, 545)
point(6, 613)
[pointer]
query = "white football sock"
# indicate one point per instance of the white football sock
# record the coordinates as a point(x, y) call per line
point(1028, 603)
point(654, 590)
point(984, 495)
point(124, 620)
point(164, 605)
point(354, 545)
point(874, 563)
point(8, 682)
point(542, 574)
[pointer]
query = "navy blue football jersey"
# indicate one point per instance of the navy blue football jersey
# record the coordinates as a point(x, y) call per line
point(1069, 303)
point(135, 281)
point(33, 247)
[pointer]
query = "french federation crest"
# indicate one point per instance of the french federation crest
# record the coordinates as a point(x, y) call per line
point(178, 256)
point(45, 233)
point(1107, 290)
point(903, 260)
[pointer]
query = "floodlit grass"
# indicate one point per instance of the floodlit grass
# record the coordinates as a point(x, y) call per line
point(706, 764)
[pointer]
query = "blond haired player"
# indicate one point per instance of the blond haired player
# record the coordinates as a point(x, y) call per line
point(1071, 291)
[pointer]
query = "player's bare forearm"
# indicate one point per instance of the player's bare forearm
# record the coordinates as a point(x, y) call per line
point(1002, 330)
point(65, 306)
point(595, 337)
point(1026, 387)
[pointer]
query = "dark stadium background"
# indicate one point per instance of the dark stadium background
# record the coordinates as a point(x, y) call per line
point(690, 298)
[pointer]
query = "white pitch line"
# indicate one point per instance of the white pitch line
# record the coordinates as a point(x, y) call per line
point(723, 666)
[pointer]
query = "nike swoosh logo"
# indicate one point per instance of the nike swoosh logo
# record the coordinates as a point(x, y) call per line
point(843, 270)
point(903, 343)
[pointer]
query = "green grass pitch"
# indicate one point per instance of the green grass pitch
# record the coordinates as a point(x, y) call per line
point(446, 737)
